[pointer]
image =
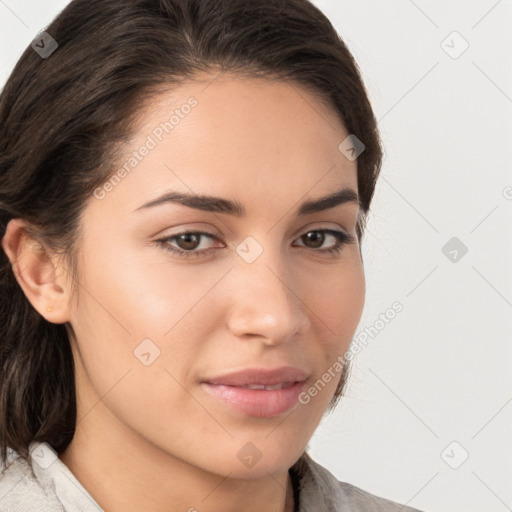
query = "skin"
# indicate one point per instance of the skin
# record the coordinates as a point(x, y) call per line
point(149, 437)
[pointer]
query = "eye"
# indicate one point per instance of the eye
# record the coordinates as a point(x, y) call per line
point(189, 241)
point(318, 237)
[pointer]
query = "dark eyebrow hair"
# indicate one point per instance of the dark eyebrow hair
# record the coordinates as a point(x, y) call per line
point(220, 205)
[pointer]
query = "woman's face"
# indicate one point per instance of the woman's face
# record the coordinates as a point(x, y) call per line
point(156, 333)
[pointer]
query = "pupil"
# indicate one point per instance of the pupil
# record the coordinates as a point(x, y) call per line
point(186, 238)
point(312, 235)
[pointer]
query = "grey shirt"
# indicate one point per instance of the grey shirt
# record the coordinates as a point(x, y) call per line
point(45, 484)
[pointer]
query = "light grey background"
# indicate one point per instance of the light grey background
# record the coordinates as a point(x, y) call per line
point(439, 372)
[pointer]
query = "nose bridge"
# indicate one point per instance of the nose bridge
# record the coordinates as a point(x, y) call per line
point(264, 301)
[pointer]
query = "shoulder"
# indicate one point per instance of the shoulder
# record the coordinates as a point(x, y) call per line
point(319, 491)
point(21, 491)
point(43, 483)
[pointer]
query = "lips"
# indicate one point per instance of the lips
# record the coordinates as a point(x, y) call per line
point(258, 392)
point(260, 377)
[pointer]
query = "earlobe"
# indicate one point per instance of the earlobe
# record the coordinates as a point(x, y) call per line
point(35, 269)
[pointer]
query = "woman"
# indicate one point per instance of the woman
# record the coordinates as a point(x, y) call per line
point(184, 190)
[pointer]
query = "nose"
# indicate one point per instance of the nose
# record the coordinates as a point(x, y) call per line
point(266, 302)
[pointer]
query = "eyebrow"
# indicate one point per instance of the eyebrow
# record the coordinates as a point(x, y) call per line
point(221, 205)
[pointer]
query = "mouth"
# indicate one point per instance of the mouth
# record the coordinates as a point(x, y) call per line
point(258, 392)
point(282, 385)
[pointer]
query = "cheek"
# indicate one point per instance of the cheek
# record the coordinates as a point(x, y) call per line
point(137, 325)
point(339, 304)
point(138, 291)
point(127, 297)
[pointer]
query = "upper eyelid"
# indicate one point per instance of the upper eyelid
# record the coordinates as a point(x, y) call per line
point(215, 237)
point(315, 227)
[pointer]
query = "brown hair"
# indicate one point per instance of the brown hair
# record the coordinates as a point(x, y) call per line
point(63, 117)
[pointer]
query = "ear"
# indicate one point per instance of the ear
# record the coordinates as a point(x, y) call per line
point(44, 281)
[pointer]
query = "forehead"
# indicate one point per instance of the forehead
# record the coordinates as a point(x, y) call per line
point(230, 102)
point(230, 134)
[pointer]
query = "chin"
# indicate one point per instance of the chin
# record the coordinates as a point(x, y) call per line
point(257, 456)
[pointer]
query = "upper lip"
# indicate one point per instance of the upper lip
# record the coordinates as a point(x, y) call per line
point(262, 376)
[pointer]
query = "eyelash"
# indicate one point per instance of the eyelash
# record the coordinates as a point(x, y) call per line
point(342, 239)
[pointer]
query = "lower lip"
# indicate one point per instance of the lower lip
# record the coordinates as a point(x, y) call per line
point(257, 402)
